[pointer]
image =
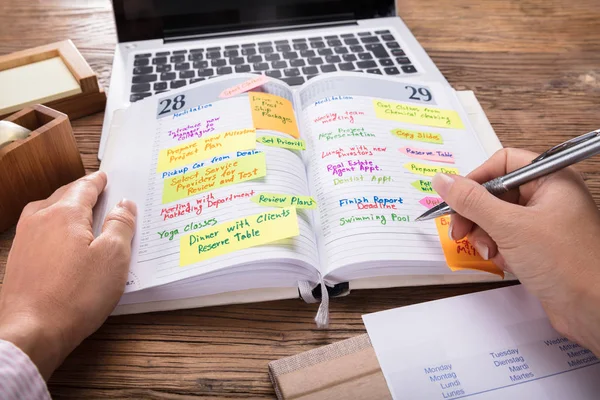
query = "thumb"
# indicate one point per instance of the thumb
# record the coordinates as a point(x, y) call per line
point(119, 225)
point(471, 200)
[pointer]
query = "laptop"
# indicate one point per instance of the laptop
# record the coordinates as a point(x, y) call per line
point(168, 44)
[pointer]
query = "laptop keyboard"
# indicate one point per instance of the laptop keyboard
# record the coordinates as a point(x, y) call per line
point(293, 61)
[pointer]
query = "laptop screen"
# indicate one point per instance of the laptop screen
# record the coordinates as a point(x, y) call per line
point(154, 19)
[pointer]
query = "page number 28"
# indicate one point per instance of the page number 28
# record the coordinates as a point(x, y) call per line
point(172, 104)
point(420, 94)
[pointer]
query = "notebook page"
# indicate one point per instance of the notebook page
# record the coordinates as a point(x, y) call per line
point(496, 344)
point(368, 191)
point(132, 170)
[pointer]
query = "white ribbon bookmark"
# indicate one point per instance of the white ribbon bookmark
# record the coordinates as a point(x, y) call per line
point(322, 317)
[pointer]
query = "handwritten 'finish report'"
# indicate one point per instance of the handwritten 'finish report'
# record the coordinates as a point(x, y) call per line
point(271, 187)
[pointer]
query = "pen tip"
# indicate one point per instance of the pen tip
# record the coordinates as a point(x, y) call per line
point(419, 219)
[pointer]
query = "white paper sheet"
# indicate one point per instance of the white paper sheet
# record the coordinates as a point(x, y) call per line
point(497, 344)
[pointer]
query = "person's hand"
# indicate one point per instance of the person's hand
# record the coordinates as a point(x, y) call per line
point(547, 233)
point(61, 283)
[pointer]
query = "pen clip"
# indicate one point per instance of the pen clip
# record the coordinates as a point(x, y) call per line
point(568, 144)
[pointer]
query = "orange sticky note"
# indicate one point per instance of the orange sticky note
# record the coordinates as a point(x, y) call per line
point(273, 113)
point(460, 254)
point(244, 86)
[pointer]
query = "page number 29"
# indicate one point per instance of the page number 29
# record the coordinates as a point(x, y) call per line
point(174, 104)
point(420, 94)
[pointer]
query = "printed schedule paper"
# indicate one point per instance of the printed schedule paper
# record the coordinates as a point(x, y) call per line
point(491, 345)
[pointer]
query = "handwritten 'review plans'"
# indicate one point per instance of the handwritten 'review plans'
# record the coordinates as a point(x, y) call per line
point(246, 187)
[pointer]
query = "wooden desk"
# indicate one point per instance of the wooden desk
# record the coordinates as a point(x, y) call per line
point(535, 67)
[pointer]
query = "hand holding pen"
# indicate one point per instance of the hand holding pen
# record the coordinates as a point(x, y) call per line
point(546, 232)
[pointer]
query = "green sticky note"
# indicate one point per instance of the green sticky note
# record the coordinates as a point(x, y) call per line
point(284, 200)
point(423, 186)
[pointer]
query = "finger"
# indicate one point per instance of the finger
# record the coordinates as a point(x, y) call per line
point(474, 202)
point(86, 190)
point(459, 227)
point(501, 263)
point(119, 227)
point(503, 162)
point(483, 243)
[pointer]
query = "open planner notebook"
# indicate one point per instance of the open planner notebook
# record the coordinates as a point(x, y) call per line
point(252, 195)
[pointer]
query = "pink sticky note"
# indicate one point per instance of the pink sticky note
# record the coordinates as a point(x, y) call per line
point(244, 86)
point(426, 154)
point(430, 202)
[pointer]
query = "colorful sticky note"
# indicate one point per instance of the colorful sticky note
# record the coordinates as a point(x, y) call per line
point(250, 84)
point(225, 173)
point(430, 202)
point(423, 186)
point(238, 234)
point(430, 155)
point(429, 170)
point(418, 115)
point(274, 113)
point(285, 143)
point(460, 254)
point(284, 200)
point(420, 136)
point(210, 146)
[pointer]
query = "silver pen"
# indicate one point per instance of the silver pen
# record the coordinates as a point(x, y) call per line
point(558, 157)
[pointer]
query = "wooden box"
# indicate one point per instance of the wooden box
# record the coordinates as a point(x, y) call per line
point(33, 168)
point(39, 75)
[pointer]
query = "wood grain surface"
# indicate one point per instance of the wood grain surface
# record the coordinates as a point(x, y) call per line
point(534, 66)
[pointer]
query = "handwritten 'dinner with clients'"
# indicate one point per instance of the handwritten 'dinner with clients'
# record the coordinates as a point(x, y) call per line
point(242, 233)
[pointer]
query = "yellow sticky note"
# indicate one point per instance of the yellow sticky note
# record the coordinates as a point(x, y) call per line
point(418, 115)
point(274, 113)
point(214, 176)
point(429, 170)
point(239, 234)
point(285, 143)
point(460, 254)
point(284, 200)
point(420, 136)
point(201, 149)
